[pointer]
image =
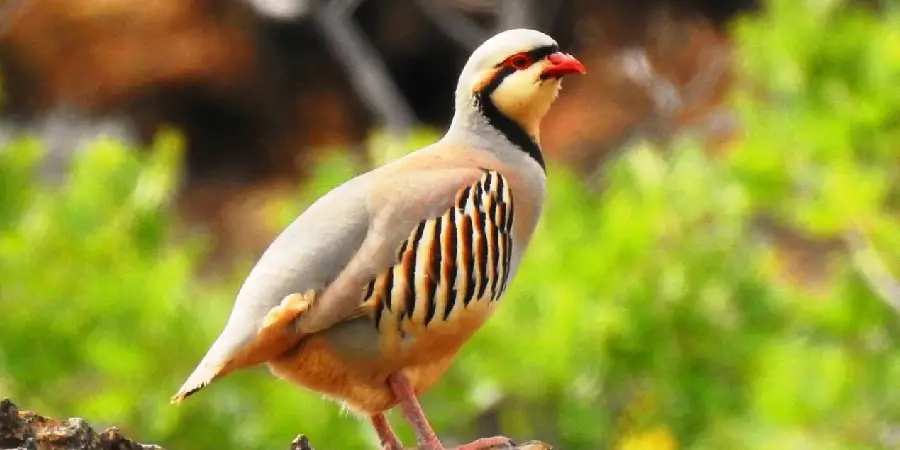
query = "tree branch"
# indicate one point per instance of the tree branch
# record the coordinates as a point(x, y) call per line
point(65, 132)
point(668, 101)
point(508, 14)
point(872, 269)
point(364, 68)
point(464, 31)
point(667, 98)
point(516, 14)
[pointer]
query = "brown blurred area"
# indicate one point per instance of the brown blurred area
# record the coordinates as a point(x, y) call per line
point(257, 96)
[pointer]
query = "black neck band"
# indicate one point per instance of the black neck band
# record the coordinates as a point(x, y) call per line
point(513, 132)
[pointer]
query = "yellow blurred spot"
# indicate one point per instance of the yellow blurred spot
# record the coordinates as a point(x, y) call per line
point(656, 439)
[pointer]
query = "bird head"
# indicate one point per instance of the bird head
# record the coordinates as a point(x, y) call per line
point(516, 73)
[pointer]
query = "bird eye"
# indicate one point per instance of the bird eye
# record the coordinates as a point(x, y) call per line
point(519, 62)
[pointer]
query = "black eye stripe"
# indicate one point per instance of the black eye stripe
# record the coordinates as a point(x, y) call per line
point(538, 53)
point(505, 71)
point(543, 52)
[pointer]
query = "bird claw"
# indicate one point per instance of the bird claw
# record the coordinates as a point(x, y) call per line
point(491, 443)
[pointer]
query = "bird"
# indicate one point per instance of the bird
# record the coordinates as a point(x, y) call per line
point(369, 295)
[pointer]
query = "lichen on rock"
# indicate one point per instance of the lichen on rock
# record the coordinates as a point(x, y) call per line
point(27, 430)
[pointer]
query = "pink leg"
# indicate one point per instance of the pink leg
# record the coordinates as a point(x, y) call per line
point(425, 436)
point(389, 439)
point(412, 411)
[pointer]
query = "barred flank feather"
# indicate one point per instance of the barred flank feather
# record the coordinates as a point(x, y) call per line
point(450, 261)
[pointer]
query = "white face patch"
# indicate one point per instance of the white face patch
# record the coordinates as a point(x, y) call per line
point(524, 97)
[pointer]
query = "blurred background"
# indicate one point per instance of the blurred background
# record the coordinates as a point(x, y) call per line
point(717, 265)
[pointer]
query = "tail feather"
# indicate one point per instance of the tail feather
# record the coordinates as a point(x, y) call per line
point(201, 377)
point(241, 344)
point(223, 357)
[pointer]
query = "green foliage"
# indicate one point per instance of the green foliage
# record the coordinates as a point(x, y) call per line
point(653, 313)
point(828, 130)
point(103, 315)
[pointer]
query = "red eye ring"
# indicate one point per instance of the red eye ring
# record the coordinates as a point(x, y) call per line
point(519, 61)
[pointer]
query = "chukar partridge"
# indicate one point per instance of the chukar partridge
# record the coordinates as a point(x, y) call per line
point(368, 296)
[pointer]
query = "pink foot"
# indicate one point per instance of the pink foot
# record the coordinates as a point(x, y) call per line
point(491, 443)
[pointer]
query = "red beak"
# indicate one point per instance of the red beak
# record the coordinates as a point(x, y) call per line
point(562, 64)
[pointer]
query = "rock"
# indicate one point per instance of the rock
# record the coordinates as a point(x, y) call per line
point(26, 430)
point(301, 442)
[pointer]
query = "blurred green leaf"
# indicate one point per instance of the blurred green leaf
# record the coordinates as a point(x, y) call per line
point(655, 313)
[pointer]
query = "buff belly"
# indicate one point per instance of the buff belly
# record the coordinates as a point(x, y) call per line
point(350, 363)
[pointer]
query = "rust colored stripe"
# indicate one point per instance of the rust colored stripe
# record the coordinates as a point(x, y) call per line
point(494, 253)
point(481, 252)
point(388, 286)
point(410, 270)
point(468, 269)
point(402, 296)
point(506, 260)
point(501, 217)
point(451, 253)
point(512, 216)
point(502, 270)
point(477, 198)
point(434, 269)
point(379, 310)
point(463, 199)
point(434, 250)
point(507, 257)
point(402, 249)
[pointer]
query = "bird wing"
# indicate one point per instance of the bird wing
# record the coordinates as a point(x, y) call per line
point(402, 206)
point(314, 272)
